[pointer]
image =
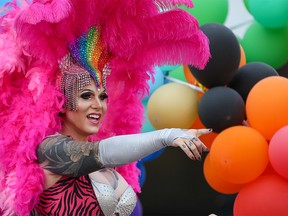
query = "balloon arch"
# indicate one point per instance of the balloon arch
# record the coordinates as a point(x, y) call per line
point(241, 94)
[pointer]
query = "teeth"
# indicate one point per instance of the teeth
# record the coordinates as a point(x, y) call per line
point(94, 116)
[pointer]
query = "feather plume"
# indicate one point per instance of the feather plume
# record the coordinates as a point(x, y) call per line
point(139, 35)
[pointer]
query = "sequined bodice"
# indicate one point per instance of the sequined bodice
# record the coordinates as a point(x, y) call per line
point(109, 202)
point(101, 193)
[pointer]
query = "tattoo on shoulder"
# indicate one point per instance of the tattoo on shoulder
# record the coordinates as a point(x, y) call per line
point(64, 156)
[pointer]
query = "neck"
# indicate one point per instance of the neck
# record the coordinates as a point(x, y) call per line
point(76, 136)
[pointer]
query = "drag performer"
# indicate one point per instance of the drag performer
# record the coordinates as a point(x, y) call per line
point(72, 76)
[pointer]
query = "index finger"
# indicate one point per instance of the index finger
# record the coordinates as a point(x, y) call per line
point(200, 132)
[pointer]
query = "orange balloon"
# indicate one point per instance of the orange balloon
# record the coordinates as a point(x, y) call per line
point(242, 57)
point(207, 139)
point(239, 154)
point(216, 182)
point(188, 75)
point(267, 105)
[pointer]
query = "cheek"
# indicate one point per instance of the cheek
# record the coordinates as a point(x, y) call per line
point(72, 115)
point(83, 105)
point(104, 107)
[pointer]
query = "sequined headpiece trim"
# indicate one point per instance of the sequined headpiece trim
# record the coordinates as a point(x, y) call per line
point(73, 81)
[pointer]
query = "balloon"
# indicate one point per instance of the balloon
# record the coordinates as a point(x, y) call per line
point(207, 11)
point(267, 105)
point(269, 169)
point(266, 45)
point(246, 3)
point(283, 71)
point(3, 2)
point(266, 196)
point(167, 68)
point(142, 177)
point(207, 139)
point(146, 125)
point(216, 182)
point(278, 152)
point(191, 79)
point(177, 73)
point(225, 56)
point(189, 76)
point(173, 105)
point(239, 154)
point(153, 156)
point(248, 75)
point(221, 107)
point(156, 81)
point(242, 57)
point(138, 210)
point(271, 13)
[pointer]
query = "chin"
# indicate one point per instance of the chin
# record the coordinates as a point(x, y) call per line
point(93, 131)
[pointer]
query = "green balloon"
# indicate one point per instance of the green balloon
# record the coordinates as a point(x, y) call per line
point(246, 3)
point(178, 73)
point(207, 11)
point(266, 45)
point(270, 13)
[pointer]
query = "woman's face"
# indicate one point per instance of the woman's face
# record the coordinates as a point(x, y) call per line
point(91, 110)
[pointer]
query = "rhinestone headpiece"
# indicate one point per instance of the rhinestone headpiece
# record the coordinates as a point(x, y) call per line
point(86, 59)
point(88, 51)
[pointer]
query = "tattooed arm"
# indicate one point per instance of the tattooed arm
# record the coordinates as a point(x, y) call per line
point(64, 156)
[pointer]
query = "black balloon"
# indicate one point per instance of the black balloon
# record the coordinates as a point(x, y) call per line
point(248, 75)
point(283, 70)
point(220, 108)
point(225, 56)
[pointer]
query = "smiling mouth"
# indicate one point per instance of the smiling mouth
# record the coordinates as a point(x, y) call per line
point(94, 117)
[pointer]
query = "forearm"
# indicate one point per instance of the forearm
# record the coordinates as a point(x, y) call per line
point(120, 150)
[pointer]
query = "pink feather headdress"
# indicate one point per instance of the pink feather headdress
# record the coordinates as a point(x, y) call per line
point(34, 36)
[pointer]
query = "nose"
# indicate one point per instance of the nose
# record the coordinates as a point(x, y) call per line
point(96, 103)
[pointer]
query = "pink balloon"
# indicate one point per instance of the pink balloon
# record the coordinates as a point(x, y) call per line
point(266, 196)
point(278, 152)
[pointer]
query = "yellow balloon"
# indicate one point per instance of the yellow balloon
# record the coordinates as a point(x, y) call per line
point(173, 105)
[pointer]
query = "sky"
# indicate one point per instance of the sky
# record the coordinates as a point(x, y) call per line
point(238, 19)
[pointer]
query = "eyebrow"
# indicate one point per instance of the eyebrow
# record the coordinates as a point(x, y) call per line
point(86, 90)
point(89, 90)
